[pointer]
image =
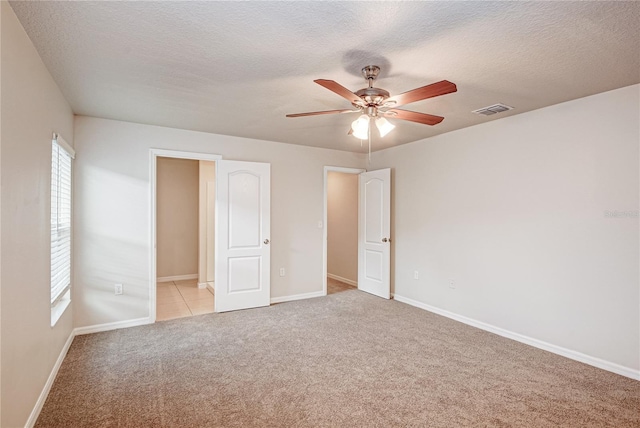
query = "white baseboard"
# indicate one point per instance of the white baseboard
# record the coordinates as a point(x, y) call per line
point(111, 326)
point(33, 417)
point(177, 277)
point(211, 287)
point(568, 353)
point(297, 297)
point(202, 285)
point(341, 279)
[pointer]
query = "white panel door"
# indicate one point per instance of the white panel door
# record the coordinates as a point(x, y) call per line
point(242, 235)
point(374, 229)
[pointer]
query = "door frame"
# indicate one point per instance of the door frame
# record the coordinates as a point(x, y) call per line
point(327, 169)
point(153, 159)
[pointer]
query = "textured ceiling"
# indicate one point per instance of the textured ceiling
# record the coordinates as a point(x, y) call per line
point(237, 68)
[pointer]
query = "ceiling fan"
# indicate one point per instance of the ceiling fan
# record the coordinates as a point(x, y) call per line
point(375, 104)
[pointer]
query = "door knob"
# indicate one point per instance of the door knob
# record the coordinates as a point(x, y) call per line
point(266, 242)
point(386, 239)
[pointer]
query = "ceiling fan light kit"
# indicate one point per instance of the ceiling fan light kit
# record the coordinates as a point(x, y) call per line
point(376, 103)
point(360, 127)
point(384, 126)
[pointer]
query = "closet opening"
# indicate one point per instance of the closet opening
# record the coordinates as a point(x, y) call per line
point(185, 237)
point(341, 229)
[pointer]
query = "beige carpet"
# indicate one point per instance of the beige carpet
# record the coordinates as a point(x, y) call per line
point(345, 360)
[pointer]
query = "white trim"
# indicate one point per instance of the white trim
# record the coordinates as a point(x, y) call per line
point(297, 297)
point(153, 155)
point(33, 417)
point(341, 279)
point(568, 353)
point(211, 287)
point(185, 155)
point(62, 143)
point(202, 285)
point(60, 307)
point(111, 326)
point(152, 236)
point(177, 277)
point(324, 217)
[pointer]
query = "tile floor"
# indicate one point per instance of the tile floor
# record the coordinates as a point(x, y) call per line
point(335, 286)
point(177, 299)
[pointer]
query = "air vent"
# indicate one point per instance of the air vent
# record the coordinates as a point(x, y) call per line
point(496, 108)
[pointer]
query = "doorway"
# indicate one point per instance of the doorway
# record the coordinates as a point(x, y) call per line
point(341, 229)
point(373, 225)
point(182, 200)
point(237, 230)
point(185, 209)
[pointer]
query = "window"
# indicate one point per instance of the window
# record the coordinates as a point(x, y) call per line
point(61, 159)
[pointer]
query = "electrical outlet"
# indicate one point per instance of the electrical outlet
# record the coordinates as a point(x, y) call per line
point(416, 275)
point(281, 271)
point(452, 285)
point(118, 288)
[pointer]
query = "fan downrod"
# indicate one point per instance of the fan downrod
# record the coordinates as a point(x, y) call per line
point(372, 97)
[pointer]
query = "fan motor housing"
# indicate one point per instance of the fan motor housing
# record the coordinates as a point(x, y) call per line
point(373, 96)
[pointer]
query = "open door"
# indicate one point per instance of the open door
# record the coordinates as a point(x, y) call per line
point(242, 235)
point(374, 228)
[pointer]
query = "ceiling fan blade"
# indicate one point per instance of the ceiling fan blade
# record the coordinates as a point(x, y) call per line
point(434, 90)
point(413, 116)
point(315, 113)
point(340, 90)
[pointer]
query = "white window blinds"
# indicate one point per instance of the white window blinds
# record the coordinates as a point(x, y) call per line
point(61, 157)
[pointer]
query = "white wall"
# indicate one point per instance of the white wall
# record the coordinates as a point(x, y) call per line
point(514, 212)
point(177, 216)
point(342, 225)
point(32, 109)
point(112, 241)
